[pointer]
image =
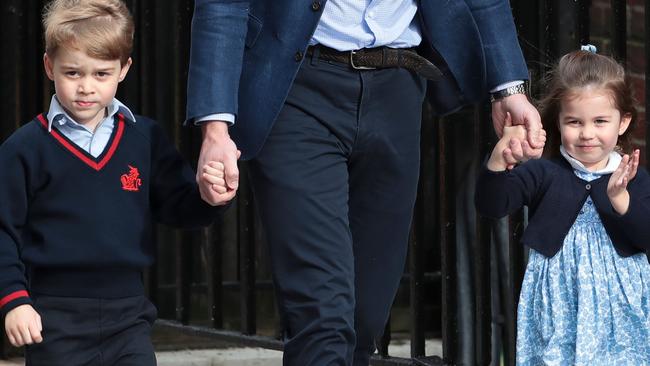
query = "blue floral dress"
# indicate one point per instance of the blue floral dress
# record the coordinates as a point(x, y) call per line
point(586, 305)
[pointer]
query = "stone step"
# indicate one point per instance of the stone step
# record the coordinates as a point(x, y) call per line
point(247, 356)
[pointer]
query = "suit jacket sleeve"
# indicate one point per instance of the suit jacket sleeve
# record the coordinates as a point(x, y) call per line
point(216, 54)
point(503, 57)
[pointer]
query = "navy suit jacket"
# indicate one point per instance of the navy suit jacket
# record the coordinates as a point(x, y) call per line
point(246, 53)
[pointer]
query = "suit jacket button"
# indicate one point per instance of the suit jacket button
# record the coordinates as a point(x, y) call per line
point(298, 56)
point(588, 186)
point(315, 6)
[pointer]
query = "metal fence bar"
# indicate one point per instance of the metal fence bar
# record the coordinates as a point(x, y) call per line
point(448, 246)
point(214, 276)
point(646, 40)
point(183, 259)
point(583, 21)
point(481, 257)
point(416, 282)
point(246, 255)
point(619, 30)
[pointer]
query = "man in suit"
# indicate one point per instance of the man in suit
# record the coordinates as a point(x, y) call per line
point(325, 98)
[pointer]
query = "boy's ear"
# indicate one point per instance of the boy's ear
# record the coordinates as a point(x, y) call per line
point(625, 123)
point(48, 65)
point(125, 69)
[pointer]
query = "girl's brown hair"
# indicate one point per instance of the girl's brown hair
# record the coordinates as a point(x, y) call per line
point(578, 70)
point(101, 28)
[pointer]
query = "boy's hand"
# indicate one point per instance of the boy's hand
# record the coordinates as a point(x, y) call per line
point(23, 326)
point(213, 178)
point(617, 185)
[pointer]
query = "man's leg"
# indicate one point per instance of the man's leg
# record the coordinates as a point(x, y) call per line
point(384, 170)
point(300, 182)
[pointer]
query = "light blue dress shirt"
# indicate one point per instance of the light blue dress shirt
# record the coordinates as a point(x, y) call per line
point(351, 25)
point(91, 142)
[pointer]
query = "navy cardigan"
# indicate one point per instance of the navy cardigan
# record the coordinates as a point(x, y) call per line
point(555, 195)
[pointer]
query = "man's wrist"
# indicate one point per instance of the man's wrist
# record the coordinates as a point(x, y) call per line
point(506, 92)
point(214, 128)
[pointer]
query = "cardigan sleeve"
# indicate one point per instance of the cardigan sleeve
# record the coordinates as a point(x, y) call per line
point(501, 193)
point(633, 225)
point(14, 175)
point(175, 196)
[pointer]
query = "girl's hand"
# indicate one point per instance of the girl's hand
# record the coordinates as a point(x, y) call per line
point(23, 326)
point(617, 185)
point(503, 149)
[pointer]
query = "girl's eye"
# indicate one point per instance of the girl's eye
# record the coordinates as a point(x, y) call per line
point(601, 121)
point(573, 122)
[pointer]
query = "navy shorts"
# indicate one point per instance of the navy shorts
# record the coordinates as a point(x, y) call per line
point(97, 332)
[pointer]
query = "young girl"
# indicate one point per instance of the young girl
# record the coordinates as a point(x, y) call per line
point(585, 297)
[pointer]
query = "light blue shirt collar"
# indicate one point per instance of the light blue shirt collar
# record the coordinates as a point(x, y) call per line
point(613, 162)
point(59, 115)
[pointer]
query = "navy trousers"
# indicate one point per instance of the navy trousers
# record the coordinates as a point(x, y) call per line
point(93, 332)
point(335, 184)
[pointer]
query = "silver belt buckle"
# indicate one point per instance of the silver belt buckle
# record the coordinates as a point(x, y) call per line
point(356, 67)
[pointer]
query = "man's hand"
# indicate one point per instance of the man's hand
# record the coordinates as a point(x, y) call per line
point(218, 147)
point(23, 326)
point(523, 113)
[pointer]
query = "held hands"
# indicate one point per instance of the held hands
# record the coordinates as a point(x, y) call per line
point(213, 178)
point(525, 114)
point(23, 326)
point(617, 185)
point(218, 175)
point(511, 135)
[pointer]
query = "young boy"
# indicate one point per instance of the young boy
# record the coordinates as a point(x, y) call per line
point(79, 187)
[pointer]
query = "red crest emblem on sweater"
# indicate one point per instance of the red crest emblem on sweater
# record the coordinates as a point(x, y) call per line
point(131, 181)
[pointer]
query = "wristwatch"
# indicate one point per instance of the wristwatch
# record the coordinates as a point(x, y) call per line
point(512, 90)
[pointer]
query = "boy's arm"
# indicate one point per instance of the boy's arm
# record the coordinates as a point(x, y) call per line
point(175, 196)
point(14, 175)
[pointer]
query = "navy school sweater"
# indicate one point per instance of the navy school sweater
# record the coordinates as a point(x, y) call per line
point(75, 225)
point(555, 195)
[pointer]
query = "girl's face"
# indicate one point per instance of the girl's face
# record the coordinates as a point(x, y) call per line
point(589, 125)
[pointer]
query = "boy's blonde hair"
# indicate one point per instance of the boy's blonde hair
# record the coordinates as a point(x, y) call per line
point(101, 28)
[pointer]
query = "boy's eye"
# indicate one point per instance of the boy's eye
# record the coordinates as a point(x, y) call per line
point(71, 73)
point(103, 74)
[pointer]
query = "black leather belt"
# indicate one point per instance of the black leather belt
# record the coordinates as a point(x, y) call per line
point(380, 58)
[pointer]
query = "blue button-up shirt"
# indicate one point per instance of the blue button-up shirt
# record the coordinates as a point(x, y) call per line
point(92, 142)
point(350, 25)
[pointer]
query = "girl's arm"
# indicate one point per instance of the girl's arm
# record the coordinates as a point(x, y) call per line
point(617, 185)
point(497, 161)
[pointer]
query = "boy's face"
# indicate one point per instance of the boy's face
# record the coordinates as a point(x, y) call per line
point(84, 85)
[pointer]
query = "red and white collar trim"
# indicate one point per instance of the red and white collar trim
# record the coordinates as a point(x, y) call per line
point(80, 154)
